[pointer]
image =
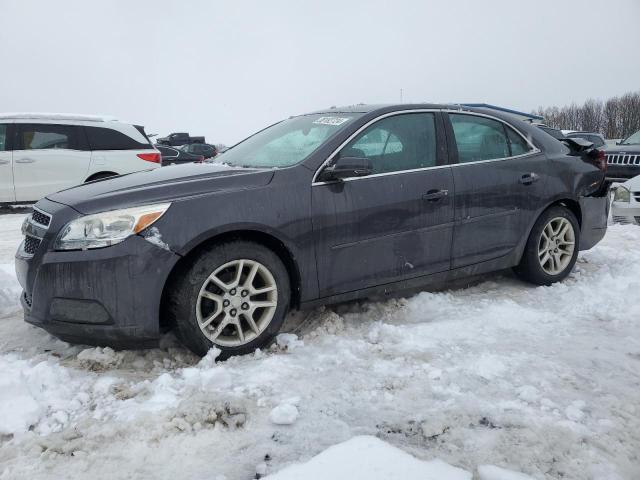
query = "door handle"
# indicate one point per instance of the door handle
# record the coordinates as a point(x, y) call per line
point(25, 160)
point(3, 161)
point(434, 195)
point(529, 178)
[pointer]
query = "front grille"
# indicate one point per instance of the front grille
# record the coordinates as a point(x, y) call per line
point(31, 244)
point(41, 218)
point(622, 159)
point(623, 220)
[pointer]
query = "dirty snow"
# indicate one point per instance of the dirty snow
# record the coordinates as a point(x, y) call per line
point(541, 381)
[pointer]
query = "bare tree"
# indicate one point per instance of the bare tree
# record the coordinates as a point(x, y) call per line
point(617, 117)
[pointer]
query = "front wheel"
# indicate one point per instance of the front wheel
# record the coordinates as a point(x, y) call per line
point(552, 248)
point(234, 296)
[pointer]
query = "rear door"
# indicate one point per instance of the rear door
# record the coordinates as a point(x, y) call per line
point(394, 224)
point(500, 181)
point(7, 193)
point(48, 158)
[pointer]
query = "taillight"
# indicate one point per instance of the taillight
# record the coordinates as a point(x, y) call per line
point(150, 157)
point(599, 159)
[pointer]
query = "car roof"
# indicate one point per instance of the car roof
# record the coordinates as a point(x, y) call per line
point(56, 116)
point(368, 108)
point(577, 132)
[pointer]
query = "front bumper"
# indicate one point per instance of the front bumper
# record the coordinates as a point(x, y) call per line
point(626, 212)
point(108, 297)
point(622, 173)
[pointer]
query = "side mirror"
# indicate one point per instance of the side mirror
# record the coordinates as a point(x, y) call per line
point(347, 167)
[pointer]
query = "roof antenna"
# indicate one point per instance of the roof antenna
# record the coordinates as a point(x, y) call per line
point(400, 95)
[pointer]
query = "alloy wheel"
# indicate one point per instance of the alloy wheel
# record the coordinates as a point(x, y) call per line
point(236, 303)
point(556, 246)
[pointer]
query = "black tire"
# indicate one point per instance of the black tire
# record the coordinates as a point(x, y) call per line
point(530, 268)
point(100, 176)
point(183, 295)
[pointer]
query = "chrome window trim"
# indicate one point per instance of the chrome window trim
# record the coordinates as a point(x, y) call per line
point(534, 150)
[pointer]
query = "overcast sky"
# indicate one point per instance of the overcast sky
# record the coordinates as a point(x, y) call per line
point(226, 68)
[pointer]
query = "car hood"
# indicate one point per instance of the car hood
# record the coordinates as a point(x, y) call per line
point(160, 185)
point(623, 149)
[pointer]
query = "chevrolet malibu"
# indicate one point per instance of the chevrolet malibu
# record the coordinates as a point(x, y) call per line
point(317, 209)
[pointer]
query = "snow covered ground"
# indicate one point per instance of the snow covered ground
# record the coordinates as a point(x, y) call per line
point(491, 379)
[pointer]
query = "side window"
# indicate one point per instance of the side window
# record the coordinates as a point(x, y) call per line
point(101, 138)
point(47, 137)
point(478, 138)
point(3, 138)
point(519, 145)
point(396, 143)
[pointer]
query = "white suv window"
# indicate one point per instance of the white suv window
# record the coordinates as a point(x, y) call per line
point(44, 137)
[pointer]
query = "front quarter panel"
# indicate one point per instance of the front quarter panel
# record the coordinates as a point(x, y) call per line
point(280, 209)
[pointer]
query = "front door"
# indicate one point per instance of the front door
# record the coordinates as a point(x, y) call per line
point(48, 158)
point(500, 182)
point(7, 194)
point(394, 224)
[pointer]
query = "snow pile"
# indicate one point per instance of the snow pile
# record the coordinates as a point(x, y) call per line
point(10, 238)
point(286, 413)
point(366, 457)
point(9, 290)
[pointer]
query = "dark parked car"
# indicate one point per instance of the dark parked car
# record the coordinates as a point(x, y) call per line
point(554, 132)
point(624, 159)
point(176, 156)
point(593, 137)
point(204, 149)
point(180, 138)
point(316, 209)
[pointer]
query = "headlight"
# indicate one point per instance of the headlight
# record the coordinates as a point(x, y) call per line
point(107, 228)
point(621, 195)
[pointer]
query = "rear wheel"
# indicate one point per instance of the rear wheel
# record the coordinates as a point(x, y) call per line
point(552, 248)
point(234, 297)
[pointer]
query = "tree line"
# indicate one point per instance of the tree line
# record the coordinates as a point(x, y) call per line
point(617, 117)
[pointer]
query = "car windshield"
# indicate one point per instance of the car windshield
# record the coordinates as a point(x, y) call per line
point(633, 139)
point(286, 143)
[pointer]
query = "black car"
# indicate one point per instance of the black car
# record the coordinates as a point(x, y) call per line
point(176, 156)
point(204, 149)
point(554, 132)
point(595, 138)
point(624, 159)
point(317, 209)
point(179, 138)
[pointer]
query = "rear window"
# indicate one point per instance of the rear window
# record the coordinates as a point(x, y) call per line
point(101, 138)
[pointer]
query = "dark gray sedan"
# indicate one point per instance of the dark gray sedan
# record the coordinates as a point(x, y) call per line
point(317, 209)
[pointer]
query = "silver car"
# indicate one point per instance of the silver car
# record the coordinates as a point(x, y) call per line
point(626, 202)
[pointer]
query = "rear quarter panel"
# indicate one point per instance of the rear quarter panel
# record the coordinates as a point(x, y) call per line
point(119, 161)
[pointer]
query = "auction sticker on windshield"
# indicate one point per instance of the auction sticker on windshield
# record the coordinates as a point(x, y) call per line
point(331, 120)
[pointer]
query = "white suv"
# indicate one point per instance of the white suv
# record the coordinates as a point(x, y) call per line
point(43, 153)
